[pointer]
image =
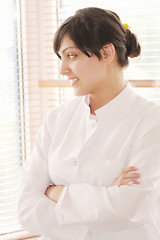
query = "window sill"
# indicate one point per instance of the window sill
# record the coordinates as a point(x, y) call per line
point(19, 235)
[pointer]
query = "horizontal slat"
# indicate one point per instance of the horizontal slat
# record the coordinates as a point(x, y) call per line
point(9, 197)
point(18, 235)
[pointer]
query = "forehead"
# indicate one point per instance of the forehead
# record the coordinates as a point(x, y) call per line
point(66, 43)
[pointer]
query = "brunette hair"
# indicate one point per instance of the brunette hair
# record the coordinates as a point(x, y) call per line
point(92, 28)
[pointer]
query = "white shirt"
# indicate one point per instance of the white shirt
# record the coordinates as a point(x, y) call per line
point(70, 150)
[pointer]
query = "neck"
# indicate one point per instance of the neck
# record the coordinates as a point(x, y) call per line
point(107, 93)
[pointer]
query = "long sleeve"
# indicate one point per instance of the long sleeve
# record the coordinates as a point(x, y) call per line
point(36, 212)
point(33, 182)
point(116, 208)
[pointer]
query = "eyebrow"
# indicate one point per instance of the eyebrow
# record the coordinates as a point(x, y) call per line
point(66, 49)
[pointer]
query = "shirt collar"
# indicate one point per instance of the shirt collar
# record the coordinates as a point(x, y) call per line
point(116, 105)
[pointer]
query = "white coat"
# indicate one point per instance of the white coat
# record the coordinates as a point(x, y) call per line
point(86, 155)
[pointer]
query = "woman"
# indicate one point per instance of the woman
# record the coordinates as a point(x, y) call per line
point(83, 145)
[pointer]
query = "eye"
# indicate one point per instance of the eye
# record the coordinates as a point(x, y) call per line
point(71, 55)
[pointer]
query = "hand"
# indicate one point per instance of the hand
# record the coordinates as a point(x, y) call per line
point(54, 192)
point(127, 176)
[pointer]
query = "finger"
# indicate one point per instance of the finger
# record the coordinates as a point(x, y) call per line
point(133, 181)
point(131, 175)
point(129, 169)
point(127, 182)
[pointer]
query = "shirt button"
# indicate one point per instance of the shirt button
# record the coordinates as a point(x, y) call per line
point(75, 163)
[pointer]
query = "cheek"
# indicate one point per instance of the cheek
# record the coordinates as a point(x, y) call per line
point(88, 69)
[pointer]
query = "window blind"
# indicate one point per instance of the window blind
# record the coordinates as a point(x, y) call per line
point(9, 122)
point(20, 107)
point(49, 64)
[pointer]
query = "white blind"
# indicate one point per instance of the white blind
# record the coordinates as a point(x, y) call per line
point(10, 150)
point(20, 100)
point(49, 63)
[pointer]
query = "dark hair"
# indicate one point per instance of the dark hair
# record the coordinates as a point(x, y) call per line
point(92, 28)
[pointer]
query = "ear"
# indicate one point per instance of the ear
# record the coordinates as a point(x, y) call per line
point(108, 52)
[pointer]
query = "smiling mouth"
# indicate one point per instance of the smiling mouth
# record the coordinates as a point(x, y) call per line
point(73, 81)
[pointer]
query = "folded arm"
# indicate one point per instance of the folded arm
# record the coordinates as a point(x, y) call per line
point(37, 212)
point(115, 208)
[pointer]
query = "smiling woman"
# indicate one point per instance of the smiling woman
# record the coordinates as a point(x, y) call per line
point(81, 181)
point(96, 62)
point(27, 30)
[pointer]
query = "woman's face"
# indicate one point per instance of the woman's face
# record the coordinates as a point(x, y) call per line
point(87, 75)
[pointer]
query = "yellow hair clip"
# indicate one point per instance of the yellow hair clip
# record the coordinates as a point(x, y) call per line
point(126, 26)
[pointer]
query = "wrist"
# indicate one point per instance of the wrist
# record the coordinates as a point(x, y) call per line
point(54, 192)
point(57, 192)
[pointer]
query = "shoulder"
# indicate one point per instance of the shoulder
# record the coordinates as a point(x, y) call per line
point(150, 110)
point(147, 114)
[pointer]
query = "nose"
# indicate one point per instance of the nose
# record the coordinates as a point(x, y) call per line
point(64, 68)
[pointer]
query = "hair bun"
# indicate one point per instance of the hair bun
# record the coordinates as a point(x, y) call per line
point(132, 46)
